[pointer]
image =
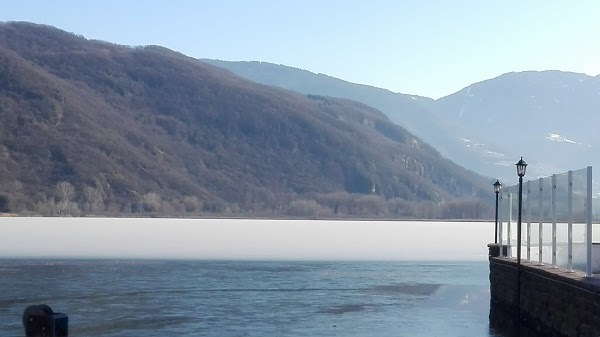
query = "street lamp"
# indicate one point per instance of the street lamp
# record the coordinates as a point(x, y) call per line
point(497, 188)
point(521, 167)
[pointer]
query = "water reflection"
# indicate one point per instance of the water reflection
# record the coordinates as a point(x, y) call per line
point(506, 323)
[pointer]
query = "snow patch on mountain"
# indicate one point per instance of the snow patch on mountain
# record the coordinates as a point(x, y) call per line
point(469, 92)
point(471, 144)
point(558, 138)
point(494, 153)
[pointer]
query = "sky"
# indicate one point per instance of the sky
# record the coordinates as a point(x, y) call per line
point(428, 48)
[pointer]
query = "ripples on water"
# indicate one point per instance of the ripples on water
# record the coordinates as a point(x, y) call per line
point(246, 298)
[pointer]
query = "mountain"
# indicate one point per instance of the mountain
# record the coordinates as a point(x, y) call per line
point(417, 114)
point(97, 127)
point(410, 109)
point(549, 117)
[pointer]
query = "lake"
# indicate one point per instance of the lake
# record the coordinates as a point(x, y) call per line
point(171, 277)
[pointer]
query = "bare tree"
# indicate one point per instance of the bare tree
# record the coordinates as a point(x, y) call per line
point(65, 191)
point(93, 198)
point(46, 207)
point(307, 209)
point(192, 203)
point(67, 208)
point(151, 202)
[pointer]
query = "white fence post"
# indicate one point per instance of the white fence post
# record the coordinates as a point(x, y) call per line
point(588, 227)
point(570, 222)
point(541, 223)
point(553, 212)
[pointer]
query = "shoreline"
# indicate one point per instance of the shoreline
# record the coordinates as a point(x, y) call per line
point(224, 217)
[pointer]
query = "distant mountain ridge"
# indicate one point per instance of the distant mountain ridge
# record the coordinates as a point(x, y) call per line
point(548, 116)
point(416, 113)
point(486, 126)
point(96, 127)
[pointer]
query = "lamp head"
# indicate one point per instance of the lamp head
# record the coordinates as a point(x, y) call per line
point(521, 167)
point(497, 186)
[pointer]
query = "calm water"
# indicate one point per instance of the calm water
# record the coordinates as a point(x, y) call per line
point(248, 298)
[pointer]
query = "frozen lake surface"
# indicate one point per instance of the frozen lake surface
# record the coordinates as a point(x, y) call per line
point(244, 239)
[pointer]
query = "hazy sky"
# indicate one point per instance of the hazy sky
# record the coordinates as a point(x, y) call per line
point(429, 48)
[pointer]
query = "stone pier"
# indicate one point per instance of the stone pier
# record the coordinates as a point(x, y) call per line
point(540, 300)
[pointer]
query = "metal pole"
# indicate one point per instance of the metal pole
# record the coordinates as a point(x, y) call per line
point(588, 227)
point(519, 243)
point(553, 212)
point(519, 223)
point(541, 223)
point(500, 225)
point(508, 225)
point(496, 228)
point(528, 221)
point(570, 222)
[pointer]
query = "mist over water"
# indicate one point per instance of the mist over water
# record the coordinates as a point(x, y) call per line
point(234, 239)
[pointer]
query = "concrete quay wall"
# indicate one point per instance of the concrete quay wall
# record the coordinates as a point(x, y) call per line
point(543, 300)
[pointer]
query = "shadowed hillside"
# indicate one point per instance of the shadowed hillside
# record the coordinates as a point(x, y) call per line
point(415, 113)
point(93, 127)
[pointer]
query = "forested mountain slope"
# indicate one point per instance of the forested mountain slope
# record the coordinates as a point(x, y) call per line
point(93, 127)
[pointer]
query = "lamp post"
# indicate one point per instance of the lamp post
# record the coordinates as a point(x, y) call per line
point(521, 167)
point(497, 187)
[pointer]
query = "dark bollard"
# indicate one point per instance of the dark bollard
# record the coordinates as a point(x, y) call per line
point(496, 250)
point(493, 249)
point(42, 321)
